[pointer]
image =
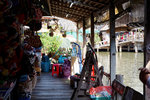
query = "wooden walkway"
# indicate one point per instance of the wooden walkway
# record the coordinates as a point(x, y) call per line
point(51, 88)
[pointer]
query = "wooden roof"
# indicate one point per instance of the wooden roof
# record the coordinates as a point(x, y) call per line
point(80, 8)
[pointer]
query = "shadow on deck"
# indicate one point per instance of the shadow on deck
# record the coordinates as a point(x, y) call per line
point(51, 88)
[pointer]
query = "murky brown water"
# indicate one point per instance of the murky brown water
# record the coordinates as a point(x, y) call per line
point(127, 64)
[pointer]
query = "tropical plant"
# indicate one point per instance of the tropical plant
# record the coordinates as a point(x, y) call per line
point(50, 44)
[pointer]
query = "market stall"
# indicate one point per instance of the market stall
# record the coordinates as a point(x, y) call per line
point(20, 49)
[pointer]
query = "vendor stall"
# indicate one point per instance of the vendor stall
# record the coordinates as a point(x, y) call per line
point(20, 51)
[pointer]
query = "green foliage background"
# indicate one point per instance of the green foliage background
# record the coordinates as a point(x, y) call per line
point(50, 44)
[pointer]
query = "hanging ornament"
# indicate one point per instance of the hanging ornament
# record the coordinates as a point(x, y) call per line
point(35, 25)
point(51, 34)
point(64, 35)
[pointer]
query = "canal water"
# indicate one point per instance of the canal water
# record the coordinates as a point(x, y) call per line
point(127, 64)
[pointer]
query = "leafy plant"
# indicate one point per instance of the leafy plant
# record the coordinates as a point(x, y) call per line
point(50, 44)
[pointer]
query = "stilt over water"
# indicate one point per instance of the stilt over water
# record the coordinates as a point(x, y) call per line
point(51, 88)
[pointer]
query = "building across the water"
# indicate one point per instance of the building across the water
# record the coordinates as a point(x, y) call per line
point(125, 40)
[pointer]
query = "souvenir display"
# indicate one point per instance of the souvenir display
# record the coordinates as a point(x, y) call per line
point(18, 59)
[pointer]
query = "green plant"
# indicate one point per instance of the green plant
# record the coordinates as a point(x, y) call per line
point(50, 44)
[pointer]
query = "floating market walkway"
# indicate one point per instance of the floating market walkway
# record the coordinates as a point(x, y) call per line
point(51, 88)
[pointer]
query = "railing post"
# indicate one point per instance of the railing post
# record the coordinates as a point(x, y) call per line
point(120, 79)
point(147, 43)
point(112, 41)
point(120, 48)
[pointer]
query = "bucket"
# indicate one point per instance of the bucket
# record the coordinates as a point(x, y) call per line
point(45, 66)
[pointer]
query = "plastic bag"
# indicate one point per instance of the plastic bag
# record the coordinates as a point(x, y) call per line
point(101, 93)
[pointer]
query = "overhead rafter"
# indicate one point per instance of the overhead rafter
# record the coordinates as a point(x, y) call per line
point(117, 15)
point(97, 2)
point(80, 8)
point(78, 5)
point(77, 2)
point(65, 12)
point(63, 16)
point(65, 5)
point(70, 11)
point(49, 6)
point(116, 2)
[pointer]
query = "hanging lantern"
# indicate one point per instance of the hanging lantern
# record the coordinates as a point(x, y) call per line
point(48, 26)
point(64, 35)
point(51, 34)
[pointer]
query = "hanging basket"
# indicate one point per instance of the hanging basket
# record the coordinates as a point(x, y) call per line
point(64, 35)
point(35, 25)
point(51, 34)
point(49, 27)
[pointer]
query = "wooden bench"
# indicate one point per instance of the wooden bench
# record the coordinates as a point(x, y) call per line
point(126, 92)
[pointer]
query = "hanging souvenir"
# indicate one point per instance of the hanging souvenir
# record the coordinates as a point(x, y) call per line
point(51, 34)
point(34, 41)
point(5, 5)
point(35, 25)
point(64, 35)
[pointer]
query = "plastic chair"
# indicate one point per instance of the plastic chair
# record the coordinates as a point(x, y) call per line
point(55, 69)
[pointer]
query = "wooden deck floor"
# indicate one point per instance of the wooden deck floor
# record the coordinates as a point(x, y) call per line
point(51, 88)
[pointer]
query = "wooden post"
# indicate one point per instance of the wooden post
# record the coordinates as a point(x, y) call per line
point(112, 41)
point(107, 48)
point(128, 48)
point(120, 48)
point(116, 45)
point(77, 32)
point(84, 40)
point(136, 47)
point(92, 30)
point(147, 43)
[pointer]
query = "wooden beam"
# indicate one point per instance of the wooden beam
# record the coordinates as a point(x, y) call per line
point(69, 11)
point(84, 39)
point(84, 28)
point(77, 30)
point(92, 30)
point(97, 2)
point(63, 16)
point(65, 12)
point(75, 7)
point(122, 13)
point(116, 16)
point(112, 41)
point(147, 43)
point(49, 6)
point(80, 4)
point(103, 9)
